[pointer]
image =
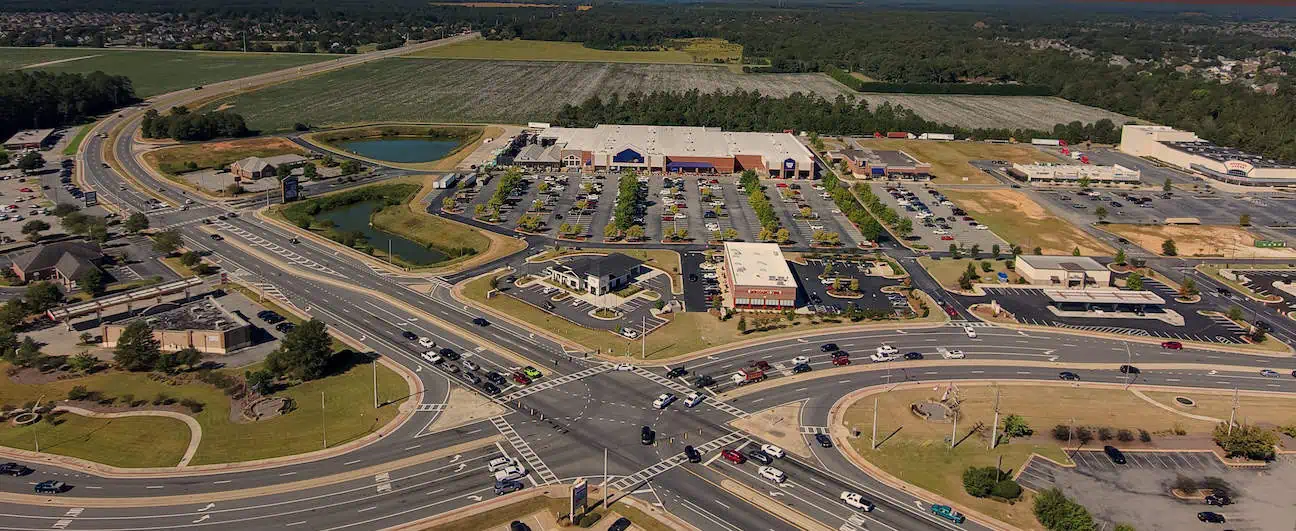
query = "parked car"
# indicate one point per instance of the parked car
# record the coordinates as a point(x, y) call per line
point(1114, 454)
point(1219, 499)
point(1210, 517)
point(621, 524)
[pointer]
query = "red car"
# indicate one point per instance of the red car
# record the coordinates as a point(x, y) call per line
point(715, 181)
point(782, 185)
point(762, 365)
point(951, 311)
point(947, 238)
point(521, 379)
point(734, 457)
point(843, 360)
point(1172, 345)
point(25, 190)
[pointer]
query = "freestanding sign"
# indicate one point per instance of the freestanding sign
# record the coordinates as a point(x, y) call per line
point(1258, 243)
point(579, 497)
point(91, 198)
point(291, 188)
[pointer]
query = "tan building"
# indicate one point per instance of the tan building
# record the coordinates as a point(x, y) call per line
point(1062, 271)
point(758, 277)
point(1188, 152)
point(205, 326)
point(1073, 173)
point(260, 167)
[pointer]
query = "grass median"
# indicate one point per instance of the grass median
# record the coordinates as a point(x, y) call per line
point(116, 442)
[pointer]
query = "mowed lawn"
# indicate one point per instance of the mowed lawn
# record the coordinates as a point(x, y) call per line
point(524, 50)
point(918, 451)
point(424, 90)
point(947, 270)
point(949, 160)
point(155, 72)
point(1019, 220)
point(348, 404)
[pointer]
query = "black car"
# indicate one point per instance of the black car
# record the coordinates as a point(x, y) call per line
point(409, 335)
point(647, 436)
point(50, 487)
point(676, 372)
point(1219, 499)
point(507, 486)
point(1115, 454)
point(1129, 369)
point(1068, 375)
point(693, 277)
point(913, 355)
point(800, 368)
point(490, 388)
point(759, 456)
point(217, 237)
point(692, 454)
point(285, 327)
point(824, 440)
point(1210, 517)
point(14, 469)
point(519, 526)
point(480, 321)
point(703, 381)
point(495, 378)
point(828, 347)
point(621, 524)
point(450, 354)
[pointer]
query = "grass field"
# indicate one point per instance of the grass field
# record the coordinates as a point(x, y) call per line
point(1017, 219)
point(1037, 112)
point(466, 91)
point(115, 442)
point(75, 143)
point(171, 160)
point(947, 271)
point(156, 71)
point(949, 160)
point(918, 454)
point(1200, 240)
point(348, 402)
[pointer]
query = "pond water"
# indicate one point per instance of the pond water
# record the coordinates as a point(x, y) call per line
point(406, 150)
point(356, 217)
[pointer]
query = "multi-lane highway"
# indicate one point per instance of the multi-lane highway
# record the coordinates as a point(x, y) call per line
point(561, 426)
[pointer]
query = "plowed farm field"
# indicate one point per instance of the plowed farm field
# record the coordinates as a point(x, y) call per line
point(1035, 112)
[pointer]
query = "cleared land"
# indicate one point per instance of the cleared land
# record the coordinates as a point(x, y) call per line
point(1036, 112)
point(172, 160)
point(522, 50)
point(1017, 219)
point(918, 452)
point(1200, 240)
point(349, 404)
point(949, 160)
point(466, 91)
point(157, 71)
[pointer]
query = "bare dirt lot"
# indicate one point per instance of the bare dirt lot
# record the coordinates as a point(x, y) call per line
point(1199, 240)
point(1018, 219)
point(1038, 112)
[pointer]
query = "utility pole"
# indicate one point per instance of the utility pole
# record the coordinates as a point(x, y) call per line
point(605, 479)
point(1070, 430)
point(873, 443)
point(375, 381)
point(994, 432)
point(323, 430)
point(1233, 414)
point(643, 337)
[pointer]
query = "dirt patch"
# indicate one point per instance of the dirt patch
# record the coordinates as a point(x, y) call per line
point(780, 425)
point(1018, 219)
point(1199, 240)
point(225, 107)
point(464, 408)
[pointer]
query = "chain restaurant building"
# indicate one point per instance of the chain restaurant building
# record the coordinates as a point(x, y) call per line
point(758, 277)
point(667, 149)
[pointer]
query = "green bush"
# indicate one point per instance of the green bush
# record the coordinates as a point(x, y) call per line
point(1252, 442)
point(1056, 512)
point(78, 392)
point(980, 481)
point(1006, 489)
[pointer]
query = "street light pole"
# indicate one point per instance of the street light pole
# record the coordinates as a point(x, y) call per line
point(323, 429)
point(375, 381)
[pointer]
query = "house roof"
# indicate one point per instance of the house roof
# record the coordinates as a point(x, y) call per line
point(1069, 263)
point(614, 264)
point(252, 164)
point(70, 258)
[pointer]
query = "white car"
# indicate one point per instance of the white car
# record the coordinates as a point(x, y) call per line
point(515, 471)
point(971, 332)
point(432, 357)
point(500, 463)
point(772, 474)
point(427, 342)
point(857, 501)
point(836, 211)
point(624, 367)
point(951, 354)
point(887, 350)
point(982, 227)
point(774, 451)
point(663, 400)
point(940, 232)
point(630, 333)
point(469, 365)
point(692, 399)
point(799, 360)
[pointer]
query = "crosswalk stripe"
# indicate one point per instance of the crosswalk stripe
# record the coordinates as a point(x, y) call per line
point(684, 390)
point(524, 450)
point(661, 467)
point(555, 382)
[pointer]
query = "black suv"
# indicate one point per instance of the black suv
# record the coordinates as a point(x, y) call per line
point(1219, 499)
point(823, 440)
point(14, 469)
point(828, 347)
point(480, 321)
point(1115, 454)
point(621, 524)
point(490, 388)
point(647, 436)
point(496, 378)
point(703, 381)
point(676, 372)
point(759, 456)
point(409, 335)
point(692, 454)
point(1210, 517)
point(507, 486)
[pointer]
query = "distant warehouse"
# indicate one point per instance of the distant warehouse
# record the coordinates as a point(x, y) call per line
point(1073, 173)
point(1185, 150)
point(881, 164)
point(665, 149)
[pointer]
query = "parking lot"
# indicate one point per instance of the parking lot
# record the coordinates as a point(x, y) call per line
point(1262, 282)
point(636, 312)
point(813, 292)
point(1139, 492)
point(1030, 306)
point(937, 221)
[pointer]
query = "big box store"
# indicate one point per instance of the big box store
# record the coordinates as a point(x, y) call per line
point(758, 277)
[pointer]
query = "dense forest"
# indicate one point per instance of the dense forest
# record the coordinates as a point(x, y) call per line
point(750, 111)
point(181, 124)
point(33, 100)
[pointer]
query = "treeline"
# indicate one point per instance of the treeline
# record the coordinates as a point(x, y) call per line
point(984, 89)
point(751, 111)
point(181, 124)
point(35, 100)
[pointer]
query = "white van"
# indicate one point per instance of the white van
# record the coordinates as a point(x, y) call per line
point(772, 474)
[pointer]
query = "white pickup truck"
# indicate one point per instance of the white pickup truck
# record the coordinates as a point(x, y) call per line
point(950, 354)
point(885, 353)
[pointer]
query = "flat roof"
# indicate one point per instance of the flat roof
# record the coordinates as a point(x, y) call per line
point(1224, 154)
point(206, 314)
point(1103, 296)
point(29, 136)
point(678, 141)
point(1069, 263)
point(758, 264)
